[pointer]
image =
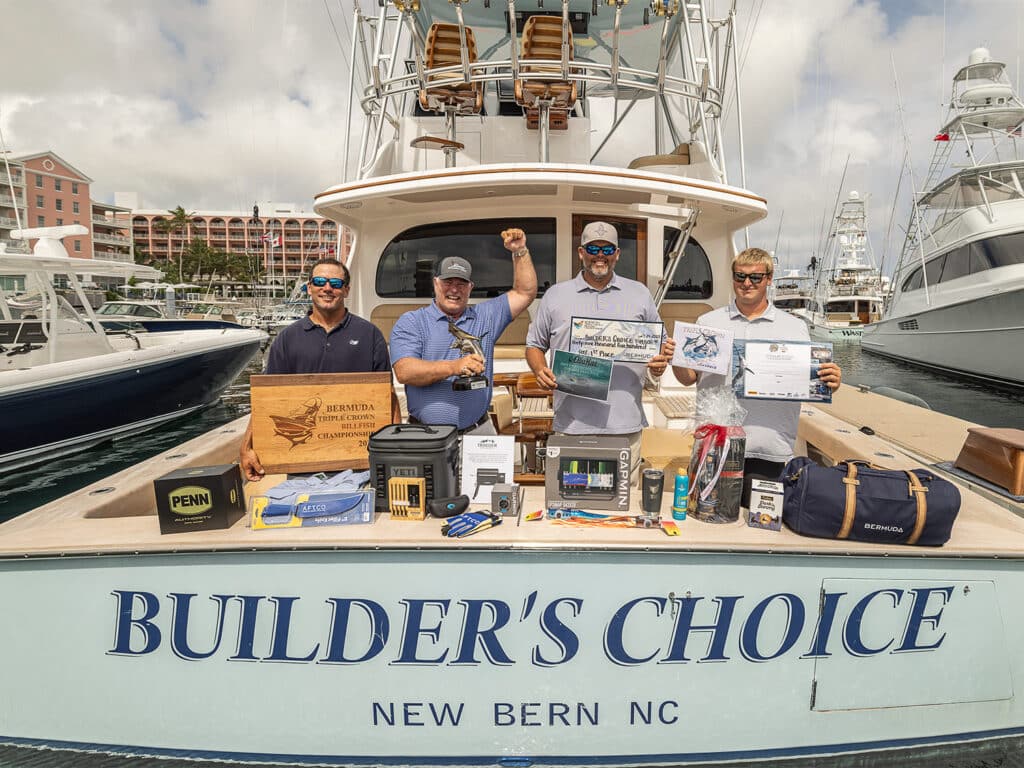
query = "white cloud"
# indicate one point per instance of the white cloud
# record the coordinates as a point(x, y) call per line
point(217, 104)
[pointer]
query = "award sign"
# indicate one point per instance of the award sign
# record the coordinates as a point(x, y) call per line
point(621, 341)
point(316, 422)
point(581, 375)
point(702, 348)
point(781, 370)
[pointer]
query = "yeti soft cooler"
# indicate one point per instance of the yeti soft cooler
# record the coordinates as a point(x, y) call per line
point(415, 450)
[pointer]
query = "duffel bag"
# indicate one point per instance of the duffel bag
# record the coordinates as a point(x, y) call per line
point(857, 500)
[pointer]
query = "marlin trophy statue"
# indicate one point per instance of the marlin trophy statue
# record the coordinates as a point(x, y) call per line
point(467, 344)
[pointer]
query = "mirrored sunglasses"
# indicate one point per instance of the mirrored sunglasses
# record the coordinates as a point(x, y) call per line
point(593, 250)
point(754, 277)
point(337, 283)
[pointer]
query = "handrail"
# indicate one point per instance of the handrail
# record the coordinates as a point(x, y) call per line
point(581, 71)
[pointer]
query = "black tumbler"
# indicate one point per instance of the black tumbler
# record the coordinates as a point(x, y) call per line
point(653, 486)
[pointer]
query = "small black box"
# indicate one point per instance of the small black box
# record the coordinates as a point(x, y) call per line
point(199, 498)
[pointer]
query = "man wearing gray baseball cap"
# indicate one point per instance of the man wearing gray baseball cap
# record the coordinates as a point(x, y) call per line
point(445, 384)
point(597, 292)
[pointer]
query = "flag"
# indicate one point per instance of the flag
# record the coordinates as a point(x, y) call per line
point(1015, 131)
point(941, 137)
point(271, 239)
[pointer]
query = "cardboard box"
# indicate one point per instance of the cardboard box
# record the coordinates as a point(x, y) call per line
point(765, 505)
point(317, 422)
point(587, 472)
point(312, 510)
point(199, 498)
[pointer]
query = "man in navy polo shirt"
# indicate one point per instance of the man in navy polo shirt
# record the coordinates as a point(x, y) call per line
point(330, 339)
point(421, 344)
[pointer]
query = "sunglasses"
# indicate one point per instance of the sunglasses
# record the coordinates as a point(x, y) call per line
point(593, 250)
point(337, 283)
point(755, 278)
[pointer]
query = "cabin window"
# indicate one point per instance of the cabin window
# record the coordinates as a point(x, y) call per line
point(1002, 251)
point(958, 264)
point(914, 281)
point(692, 278)
point(933, 269)
point(406, 268)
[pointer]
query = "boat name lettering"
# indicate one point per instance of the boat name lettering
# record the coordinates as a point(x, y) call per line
point(469, 632)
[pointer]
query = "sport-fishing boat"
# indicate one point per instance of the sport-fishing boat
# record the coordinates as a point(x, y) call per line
point(793, 291)
point(67, 382)
point(539, 643)
point(848, 287)
point(959, 285)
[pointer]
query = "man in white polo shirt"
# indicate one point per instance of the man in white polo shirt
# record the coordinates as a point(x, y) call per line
point(770, 424)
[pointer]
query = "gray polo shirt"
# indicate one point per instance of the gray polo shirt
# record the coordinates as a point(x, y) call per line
point(770, 424)
point(621, 299)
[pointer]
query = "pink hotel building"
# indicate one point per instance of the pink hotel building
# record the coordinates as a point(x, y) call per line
point(44, 190)
point(285, 239)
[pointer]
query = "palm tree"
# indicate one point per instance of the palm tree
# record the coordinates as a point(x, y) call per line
point(178, 223)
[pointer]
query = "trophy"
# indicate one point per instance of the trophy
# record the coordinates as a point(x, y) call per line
point(467, 344)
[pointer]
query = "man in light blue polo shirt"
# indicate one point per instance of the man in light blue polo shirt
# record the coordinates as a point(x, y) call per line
point(597, 292)
point(770, 424)
point(422, 355)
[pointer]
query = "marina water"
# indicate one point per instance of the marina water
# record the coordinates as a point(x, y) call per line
point(25, 489)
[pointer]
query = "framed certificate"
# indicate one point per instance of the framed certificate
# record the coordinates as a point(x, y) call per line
point(780, 370)
point(582, 375)
point(621, 341)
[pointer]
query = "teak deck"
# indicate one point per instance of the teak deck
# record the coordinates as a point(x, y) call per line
point(118, 513)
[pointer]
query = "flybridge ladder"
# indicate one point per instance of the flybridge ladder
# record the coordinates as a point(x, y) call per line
point(687, 63)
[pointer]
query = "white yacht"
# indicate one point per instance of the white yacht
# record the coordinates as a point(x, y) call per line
point(848, 287)
point(793, 291)
point(957, 303)
point(68, 381)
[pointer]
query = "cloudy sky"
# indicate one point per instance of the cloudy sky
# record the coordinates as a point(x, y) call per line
point(219, 103)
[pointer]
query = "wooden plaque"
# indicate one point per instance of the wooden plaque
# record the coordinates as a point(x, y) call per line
point(317, 422)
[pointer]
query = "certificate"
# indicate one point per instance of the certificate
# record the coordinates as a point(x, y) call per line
point(702, 348)
point(623, 341)
point(781, 370)
point(582, 375)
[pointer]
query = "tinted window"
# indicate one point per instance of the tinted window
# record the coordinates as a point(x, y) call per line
point(692, 278)
point(933, 269)
point(958, 264)
point(1001, 251)
point(914, 281)
point(406, 268)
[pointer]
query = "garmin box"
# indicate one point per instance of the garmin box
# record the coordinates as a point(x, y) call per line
point(199, 498)
point(587, 472)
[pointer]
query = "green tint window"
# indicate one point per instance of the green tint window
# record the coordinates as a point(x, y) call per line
point(406, 268)
point(692, 278)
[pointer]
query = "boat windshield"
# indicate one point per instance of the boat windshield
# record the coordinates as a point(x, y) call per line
point(978, 187)
point(33, 305)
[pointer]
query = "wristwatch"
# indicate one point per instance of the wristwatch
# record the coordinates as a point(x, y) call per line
point(521, 252)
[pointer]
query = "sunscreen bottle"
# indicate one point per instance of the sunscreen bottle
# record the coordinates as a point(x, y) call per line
point(682, 491)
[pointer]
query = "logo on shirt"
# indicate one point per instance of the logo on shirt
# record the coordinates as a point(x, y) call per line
point(353, 342)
